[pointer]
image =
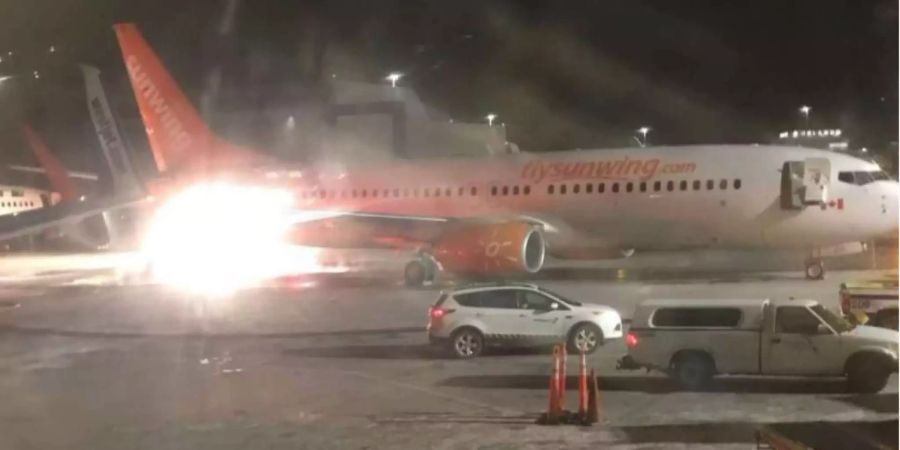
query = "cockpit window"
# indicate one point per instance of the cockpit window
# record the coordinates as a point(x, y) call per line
point(861, 178)
point(846, 177)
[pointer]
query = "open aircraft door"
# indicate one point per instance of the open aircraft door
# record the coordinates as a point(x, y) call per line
point(816, 179)
point(805, 183)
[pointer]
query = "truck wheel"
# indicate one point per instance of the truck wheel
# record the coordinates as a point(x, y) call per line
point(693, 371)
point(887, 319)
point(867, 375)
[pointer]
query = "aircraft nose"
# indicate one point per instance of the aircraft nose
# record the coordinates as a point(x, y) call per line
point(890, 207)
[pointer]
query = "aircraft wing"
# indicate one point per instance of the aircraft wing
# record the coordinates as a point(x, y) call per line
point(349, 229)
point(40, 170)
point(37, 220)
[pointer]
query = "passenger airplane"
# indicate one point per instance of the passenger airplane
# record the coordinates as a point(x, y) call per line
point(86, 233)
point(17, 199)
point(501, 214)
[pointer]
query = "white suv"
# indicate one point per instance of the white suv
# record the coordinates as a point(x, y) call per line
point(469, 318)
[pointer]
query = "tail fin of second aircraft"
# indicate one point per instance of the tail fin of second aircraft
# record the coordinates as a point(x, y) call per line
point(124, 180)
point(178, 136)
point(54, 170)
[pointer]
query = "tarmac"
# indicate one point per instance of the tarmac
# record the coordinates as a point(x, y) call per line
point(89, 359)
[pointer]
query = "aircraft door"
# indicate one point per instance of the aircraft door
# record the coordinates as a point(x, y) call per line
point(816, 179)
point(805, 183)
point(792, 185)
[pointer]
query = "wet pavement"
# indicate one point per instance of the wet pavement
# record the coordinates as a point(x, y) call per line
point(342, 362)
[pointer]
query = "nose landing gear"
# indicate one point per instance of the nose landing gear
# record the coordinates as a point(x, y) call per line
point(815, 269)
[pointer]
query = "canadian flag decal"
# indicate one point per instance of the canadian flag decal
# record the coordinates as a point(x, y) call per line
point(834, 203)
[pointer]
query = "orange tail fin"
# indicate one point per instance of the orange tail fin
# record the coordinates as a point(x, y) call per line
point(56, 173)
point(178, 136)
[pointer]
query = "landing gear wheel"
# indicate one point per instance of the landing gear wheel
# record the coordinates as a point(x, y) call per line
point(420, 270)
point(414, 274)
point(466, 343)
point(693, 371)
point(584, 337)
point(815, 270)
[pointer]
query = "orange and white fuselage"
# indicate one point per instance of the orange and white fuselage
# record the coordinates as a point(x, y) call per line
point(608, 200)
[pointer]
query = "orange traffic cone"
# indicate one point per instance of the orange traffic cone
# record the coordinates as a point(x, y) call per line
point(593, 411)
point(562, 375)
point(582, 386)
point(554, 409)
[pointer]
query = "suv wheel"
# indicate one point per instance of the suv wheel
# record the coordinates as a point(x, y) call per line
point(585, 337)
point(467, 343)
point(693, 371)
point(867, 375)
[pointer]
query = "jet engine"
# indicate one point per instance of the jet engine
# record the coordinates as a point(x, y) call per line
point(491, 249)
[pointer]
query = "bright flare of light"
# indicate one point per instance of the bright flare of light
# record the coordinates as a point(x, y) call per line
point(216, 238)
point(393, 77)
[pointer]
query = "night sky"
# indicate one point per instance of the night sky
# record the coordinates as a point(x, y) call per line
point(574, 74)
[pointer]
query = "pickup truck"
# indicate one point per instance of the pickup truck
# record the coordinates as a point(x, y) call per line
point(694, 340)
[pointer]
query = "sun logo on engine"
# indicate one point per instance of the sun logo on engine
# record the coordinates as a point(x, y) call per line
point(493, 248)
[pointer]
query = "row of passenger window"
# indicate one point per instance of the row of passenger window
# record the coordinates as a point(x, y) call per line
point(562, 189)
point(643, 186)
point(16, 204)
point(415, 192)
point(395, 192)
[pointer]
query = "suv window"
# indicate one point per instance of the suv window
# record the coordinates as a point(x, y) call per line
point(535, 301)
point(696, 317)
point(795, 320)
point(471, 299)
point(496, 298)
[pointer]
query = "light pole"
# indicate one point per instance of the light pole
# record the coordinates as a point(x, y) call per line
point(490, 118)
point(805, 111)
point(644, 131)
point(393, 77)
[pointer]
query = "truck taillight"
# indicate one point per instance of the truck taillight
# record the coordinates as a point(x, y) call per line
point(845, 302)
point(631, 340)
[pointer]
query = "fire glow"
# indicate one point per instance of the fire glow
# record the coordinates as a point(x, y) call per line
point(216, 238)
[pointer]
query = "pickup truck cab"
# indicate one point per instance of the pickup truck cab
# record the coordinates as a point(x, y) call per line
point(876, 298)
point(693, 340)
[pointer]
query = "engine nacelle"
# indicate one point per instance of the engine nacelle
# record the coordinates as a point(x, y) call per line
point(491, 249)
